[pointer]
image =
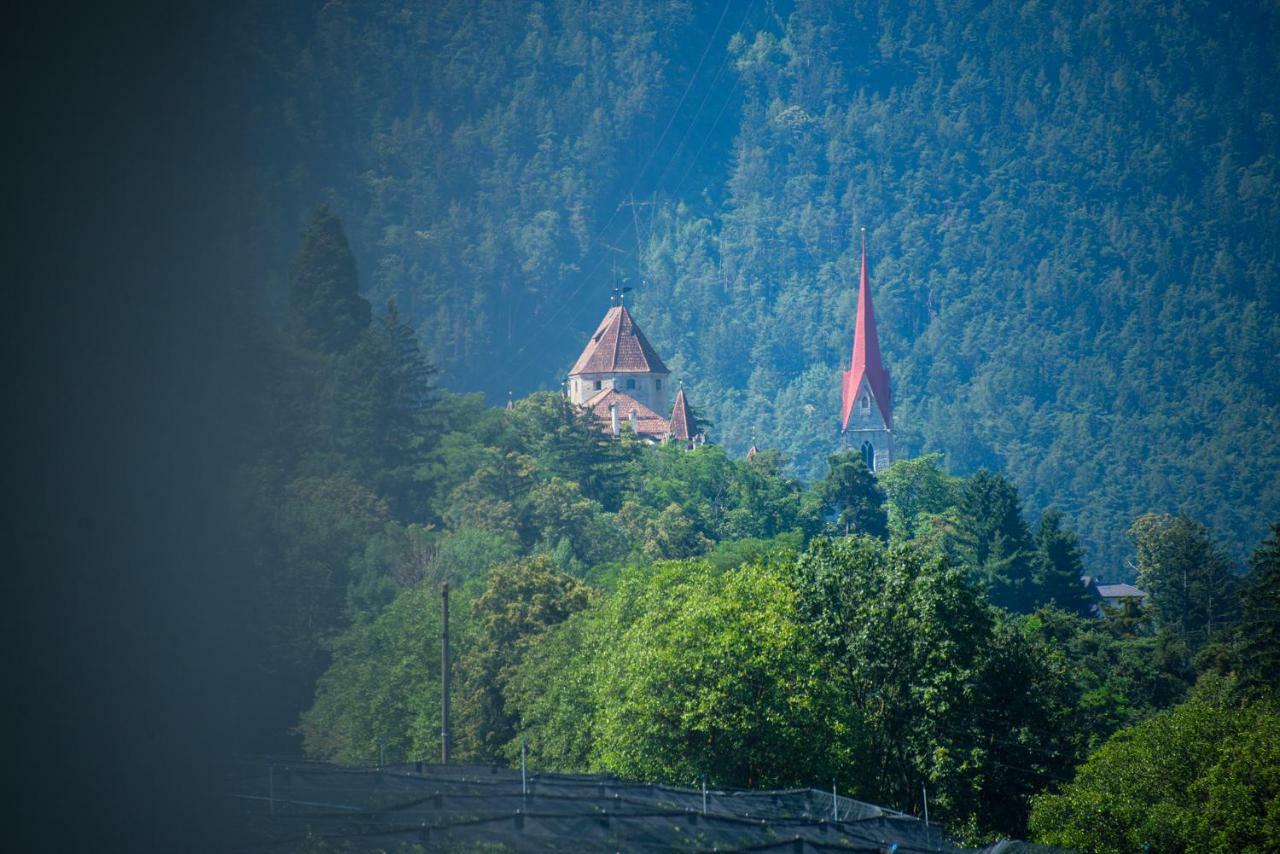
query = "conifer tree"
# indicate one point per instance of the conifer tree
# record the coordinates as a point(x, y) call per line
point(850, 492)
point(993, 539)
point(1186, 574)
point(324, 290)
point(1058, 566)
point(1260, 617)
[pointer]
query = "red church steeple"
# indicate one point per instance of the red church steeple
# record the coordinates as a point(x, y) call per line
point(864, 363)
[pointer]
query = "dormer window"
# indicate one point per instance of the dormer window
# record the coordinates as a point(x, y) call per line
point(866, 403)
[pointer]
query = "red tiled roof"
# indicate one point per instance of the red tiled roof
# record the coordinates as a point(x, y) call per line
point(865, 360)
point(680, 418)
point(618, 345)
point(648, 423)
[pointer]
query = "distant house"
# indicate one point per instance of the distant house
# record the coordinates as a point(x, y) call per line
point(1113, 595)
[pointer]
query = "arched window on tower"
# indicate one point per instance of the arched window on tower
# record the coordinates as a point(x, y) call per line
point(866, 403)
point(869, 456)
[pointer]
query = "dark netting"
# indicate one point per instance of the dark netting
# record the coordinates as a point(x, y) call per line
point(301, 806)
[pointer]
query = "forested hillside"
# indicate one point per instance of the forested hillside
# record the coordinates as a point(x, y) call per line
point(1071, 209)
point(665, 612)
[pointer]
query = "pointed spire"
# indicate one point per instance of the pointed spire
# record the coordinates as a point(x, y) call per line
point(864, 362)
point(680, 417)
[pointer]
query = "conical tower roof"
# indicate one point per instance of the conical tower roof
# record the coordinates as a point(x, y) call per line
point(680, 418)
point(865, 359)
point(618, 346)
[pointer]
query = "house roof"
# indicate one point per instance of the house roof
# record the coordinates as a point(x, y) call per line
point(649, 424)
point(865, 362)
point(617, 346)
point(1120, 591)
point(680, 418)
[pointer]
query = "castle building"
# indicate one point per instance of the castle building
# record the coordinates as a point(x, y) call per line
point(621, 379)
point(866, 406)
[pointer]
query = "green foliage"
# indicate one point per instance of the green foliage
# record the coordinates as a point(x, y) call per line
point(381, 694)
point(725, 498)
point(1119, 678)
point(993, 541)
point(949, 695)
point(917, 492)
point(1187, 576)
point(313, 533)
point(553, 693)
point(1260, 618)
point(1071, 225)
point(520, 600)
point(324, 292)
point(849, 492)
point(713, 673)
point(1059, 567)
point(1204, 776)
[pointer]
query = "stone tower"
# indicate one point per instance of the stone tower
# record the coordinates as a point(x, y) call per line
point(621, 379)
point(866, 407)
point(619, 357)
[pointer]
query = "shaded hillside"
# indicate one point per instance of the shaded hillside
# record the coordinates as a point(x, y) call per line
point(1071, 210)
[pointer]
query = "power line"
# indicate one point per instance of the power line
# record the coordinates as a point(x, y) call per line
point(591, 273)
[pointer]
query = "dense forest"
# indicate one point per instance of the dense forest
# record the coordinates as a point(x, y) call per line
point(1071, 217)
point(676, 614)
point(1071, 210)
point(297, 285)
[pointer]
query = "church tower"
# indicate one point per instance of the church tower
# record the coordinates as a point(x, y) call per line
point(621, 380)
point(866, 406)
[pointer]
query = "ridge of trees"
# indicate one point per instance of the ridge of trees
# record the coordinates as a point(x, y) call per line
point(668, 613)
point(1070, 210)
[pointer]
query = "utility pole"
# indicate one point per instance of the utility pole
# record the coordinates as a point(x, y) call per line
point(444, 673)
point(524, 755)
point(635, 226)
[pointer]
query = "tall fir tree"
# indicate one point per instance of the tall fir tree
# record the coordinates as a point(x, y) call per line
point(324, 290)
point(1260, 617)
point(1188, 577)
point(993, 540)
point(1058, 566)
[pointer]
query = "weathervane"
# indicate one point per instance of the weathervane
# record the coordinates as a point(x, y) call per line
point(619, 295)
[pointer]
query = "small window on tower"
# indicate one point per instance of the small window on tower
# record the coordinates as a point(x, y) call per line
point(866, 403)
point(869, 455)
point(657, 384)
point(631, 383)
point(597, 385)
